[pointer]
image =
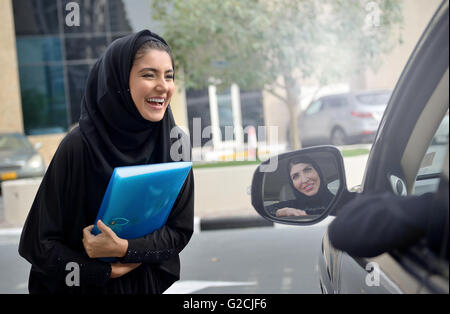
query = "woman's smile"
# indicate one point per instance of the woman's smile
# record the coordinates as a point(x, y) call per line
point(156, 103)
point(308, 187)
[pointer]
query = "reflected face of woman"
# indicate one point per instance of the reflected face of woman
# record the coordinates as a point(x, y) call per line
point(305, 178)
point(152, 84)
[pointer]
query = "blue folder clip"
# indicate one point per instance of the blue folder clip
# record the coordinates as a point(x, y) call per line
point(138, 199)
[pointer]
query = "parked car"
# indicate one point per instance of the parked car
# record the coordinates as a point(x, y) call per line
point(409, 153)
point(19, 158)
point(341, 119)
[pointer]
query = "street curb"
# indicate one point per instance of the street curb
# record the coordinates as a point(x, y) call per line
point(237, 222)
point(200, 224)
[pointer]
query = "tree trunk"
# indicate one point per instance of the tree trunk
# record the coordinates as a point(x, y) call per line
point(293, 100)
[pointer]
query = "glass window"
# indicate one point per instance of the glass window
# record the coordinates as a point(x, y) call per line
point(36, 17)
point(431, 166)
point(334, 103)
point(77, 80)
point(127, 16)
point(14, 142)
point(225, 109)
point(197, 102)
point(374, 99)
point(32, 50)
point(314, 107)
point(252, 112)
point(434, 158)
point(85, 47)
point(118, 17)
point(43, 99)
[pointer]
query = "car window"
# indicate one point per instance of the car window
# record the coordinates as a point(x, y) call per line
point(11, 142)
point(428, 176)
point(373, 99)
point(314, 107)
point(335, 103)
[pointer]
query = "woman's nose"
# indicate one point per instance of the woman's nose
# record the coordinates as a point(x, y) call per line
point(302, 179)
point(162, 85)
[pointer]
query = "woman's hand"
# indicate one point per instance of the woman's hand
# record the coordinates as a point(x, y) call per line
point(287, 211)
point(105, 244)
point(118, 269)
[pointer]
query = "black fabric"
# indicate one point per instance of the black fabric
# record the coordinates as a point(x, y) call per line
point(312, 205)
point(111, 134)
point(371, 225)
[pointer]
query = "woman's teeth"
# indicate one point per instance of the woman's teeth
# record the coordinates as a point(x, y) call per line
point(157, 101)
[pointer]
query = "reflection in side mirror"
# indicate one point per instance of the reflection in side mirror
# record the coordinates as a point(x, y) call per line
point(302, 188)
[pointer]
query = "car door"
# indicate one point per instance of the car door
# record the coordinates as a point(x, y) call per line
point(405, 160)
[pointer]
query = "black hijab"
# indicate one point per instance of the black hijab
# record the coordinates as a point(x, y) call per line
point(323, 196)
point(111, 125)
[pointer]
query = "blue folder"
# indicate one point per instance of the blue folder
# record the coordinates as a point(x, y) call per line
point(138, 199)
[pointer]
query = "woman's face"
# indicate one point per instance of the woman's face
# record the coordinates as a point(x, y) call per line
point(152, 84)
point(305, 179)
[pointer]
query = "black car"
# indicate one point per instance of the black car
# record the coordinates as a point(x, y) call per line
point(409, 157)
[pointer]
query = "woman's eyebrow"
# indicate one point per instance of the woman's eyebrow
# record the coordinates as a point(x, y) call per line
point(154, 70)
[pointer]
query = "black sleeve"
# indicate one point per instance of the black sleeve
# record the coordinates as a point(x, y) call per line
point(44, 238)
point(371, 225)
point(167, 242)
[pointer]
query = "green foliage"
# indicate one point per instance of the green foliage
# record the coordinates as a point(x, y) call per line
point(254, 42)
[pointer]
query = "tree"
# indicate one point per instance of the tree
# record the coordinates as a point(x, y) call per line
point(276, 44)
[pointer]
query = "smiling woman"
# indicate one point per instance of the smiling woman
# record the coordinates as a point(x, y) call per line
point(125, 121)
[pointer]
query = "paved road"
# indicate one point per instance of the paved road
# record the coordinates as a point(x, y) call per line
point(257, 260)
point(260, 260)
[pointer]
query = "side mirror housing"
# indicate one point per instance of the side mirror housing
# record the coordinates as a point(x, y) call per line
point(301, 187)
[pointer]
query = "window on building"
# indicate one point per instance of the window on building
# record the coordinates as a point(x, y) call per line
point(199, 116)
point(252, 112)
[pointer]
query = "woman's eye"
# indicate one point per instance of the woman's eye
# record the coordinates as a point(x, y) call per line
point(148, 75)
point(307, 169)
point(169, 77)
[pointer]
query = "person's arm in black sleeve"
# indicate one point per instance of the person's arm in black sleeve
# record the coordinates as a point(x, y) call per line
point(371, 225)
point(170, 240)
point(43, 240)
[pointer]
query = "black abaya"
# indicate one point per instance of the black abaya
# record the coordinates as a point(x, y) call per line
point(111, 134)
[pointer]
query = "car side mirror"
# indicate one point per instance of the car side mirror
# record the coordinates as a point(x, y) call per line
point(300, 187)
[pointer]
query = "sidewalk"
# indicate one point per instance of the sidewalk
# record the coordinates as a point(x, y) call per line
point(226, 203)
